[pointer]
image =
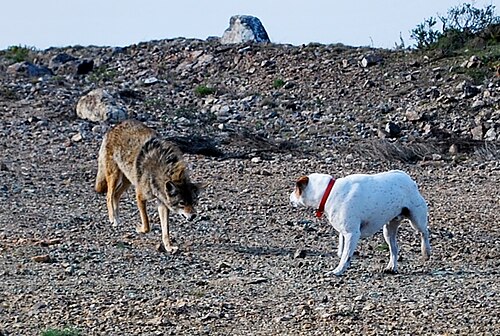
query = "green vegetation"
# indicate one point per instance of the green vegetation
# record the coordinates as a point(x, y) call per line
point(383, 247)
point(17, 54)
point(464, 26)
point(59, 332)
point(102, 74)
point(203, 90)
point(278, 83)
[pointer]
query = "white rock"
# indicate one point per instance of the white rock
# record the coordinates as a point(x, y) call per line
point(244, 28)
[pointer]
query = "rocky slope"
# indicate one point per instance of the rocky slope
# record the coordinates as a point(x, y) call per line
point(251, 118)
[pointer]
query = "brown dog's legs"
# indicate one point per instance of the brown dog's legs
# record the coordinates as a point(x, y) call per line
point(165, 234)
point(141, 204)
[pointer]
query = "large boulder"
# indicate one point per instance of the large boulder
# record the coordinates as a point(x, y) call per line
point(244, 28)
point(65, 64)
point(99, 105)
point(28, 69)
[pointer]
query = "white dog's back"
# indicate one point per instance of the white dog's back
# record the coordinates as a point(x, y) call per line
point(364, 195)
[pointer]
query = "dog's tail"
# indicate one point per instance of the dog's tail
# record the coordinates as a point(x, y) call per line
point(100, 181)
point(418, 220)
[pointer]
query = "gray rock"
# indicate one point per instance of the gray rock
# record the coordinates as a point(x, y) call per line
point(370, 60)
point(491, 134)
point(477, 132)
point(59, 59)
point(392, 129)
point(99, 105)
point(244, 28)
point(414, 115)
point(29, 69)
point(65, 64)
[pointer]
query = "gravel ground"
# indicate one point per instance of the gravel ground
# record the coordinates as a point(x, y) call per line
point(249, 264)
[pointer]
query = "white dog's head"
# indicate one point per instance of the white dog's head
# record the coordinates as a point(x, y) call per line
point(309, 190)
point(297, 196)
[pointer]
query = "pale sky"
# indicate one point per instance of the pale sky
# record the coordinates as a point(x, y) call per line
point(58, 23)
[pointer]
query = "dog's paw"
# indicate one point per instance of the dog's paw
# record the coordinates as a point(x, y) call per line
point(172, 249)
point(335, 272)
point(140, 229)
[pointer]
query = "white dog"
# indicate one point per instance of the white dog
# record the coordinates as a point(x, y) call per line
point(360, 205)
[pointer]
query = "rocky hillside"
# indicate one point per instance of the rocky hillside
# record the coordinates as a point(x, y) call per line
point(308, 95)
point(250, 118)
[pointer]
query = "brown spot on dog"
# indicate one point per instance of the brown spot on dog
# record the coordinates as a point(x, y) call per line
point(301, 184)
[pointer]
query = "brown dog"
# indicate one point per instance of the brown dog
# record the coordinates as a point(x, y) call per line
point(132, 153)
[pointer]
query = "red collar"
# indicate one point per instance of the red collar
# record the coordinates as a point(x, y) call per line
point(321, 208)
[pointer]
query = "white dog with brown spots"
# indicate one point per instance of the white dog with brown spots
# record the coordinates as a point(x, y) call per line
point(359, 205)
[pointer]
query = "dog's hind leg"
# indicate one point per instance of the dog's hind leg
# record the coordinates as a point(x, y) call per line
point(390, 236)
point(112, 183)
point(350, 241)
point(122, 186)
point(340, 248)
point(418, 220)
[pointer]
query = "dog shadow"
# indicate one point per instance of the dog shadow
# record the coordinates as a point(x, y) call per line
point(271, 250)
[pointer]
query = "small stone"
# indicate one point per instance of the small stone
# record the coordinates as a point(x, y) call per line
point(392, 129)
point(413, 115)
point(256, 159)
point(359, 298)
point(491, 135)
point(151, 81)
point(453, 149)
point(477, 132)
point(77, 137)
point(299, 253)
point(44, 258)
point(370, 60)
point(436, 157)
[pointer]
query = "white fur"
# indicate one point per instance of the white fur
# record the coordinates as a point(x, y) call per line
point(360, 205)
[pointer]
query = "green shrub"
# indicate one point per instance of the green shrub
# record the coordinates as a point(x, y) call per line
point(460, 26)
point(17, 54)
point(425, 34)
point(203, 90)
point(102, 74)
point(278, 83)
point(59, 332)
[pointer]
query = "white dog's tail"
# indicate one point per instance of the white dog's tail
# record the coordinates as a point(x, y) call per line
point(418, 220)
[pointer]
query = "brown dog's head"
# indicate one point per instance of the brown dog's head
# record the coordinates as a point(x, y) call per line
point(175, 190)
point(182, 196)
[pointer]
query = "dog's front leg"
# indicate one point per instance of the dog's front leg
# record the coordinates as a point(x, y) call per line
point(141, 204)
point(165, 233)
point(340, 248)
point(350, 241)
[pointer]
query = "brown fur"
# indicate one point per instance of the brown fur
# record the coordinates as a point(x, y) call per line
point(301, 184)
point(132, 153)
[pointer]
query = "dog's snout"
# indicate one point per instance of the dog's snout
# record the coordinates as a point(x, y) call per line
point(190, 216)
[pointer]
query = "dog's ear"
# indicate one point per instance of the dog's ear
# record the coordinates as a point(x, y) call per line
point(301, 184)
point(171, 188)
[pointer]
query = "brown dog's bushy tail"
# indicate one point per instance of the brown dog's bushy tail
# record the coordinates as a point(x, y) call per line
point(100, 181)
